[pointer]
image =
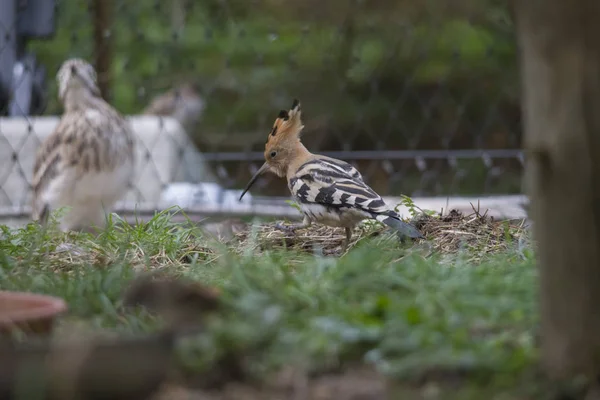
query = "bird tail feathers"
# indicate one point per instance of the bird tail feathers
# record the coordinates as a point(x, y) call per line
point(404, 229)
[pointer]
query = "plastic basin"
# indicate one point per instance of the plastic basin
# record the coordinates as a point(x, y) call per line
point(29, 312)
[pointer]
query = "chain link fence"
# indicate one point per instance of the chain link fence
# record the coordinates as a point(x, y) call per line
point(423, 97)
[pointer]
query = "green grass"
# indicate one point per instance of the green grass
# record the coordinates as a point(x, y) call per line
point(381, 304)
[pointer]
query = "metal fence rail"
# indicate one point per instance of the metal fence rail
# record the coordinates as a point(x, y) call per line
point(422, 97)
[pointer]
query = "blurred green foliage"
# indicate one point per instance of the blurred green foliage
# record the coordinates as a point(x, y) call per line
point(467, 319)
point(370, 73)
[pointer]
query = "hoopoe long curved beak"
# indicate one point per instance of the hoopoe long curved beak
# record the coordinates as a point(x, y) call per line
point(261, 170)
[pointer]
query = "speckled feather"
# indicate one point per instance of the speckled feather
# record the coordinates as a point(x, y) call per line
point(91, 140)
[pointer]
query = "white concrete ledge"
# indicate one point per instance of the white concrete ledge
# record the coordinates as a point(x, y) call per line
point(499, 207)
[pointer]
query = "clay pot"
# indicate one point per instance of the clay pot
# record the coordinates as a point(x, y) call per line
point(29, 312)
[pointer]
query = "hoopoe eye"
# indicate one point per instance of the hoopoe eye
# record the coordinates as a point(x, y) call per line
point(273, 154)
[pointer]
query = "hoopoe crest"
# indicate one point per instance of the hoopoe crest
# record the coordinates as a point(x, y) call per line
point(328, 190)
point(283, 144)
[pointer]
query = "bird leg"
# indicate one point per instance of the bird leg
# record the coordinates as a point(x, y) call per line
point(347, 241)
point(292, 228)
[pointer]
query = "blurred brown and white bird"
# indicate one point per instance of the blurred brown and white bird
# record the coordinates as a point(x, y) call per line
point(182, 304)
point(329, 191)
point(184, 103)
point(87, 163)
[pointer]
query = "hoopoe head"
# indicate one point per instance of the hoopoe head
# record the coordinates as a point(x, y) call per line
point(282, 143)
point(76, 75)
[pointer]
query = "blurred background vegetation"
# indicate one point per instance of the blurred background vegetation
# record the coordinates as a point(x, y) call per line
point(371, 75)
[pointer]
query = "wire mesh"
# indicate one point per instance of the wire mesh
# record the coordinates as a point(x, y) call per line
point(422, 97)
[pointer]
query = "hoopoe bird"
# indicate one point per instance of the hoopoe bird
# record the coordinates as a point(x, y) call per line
point(329, 191)
point(87, 162)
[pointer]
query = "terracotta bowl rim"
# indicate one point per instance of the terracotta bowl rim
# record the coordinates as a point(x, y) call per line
point(48, 307)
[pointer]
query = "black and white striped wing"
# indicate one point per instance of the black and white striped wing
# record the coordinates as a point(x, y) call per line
point(328, 184)
point(334, 163)
point(323, 182)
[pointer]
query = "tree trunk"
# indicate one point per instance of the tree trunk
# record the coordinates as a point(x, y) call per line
point(560, 65)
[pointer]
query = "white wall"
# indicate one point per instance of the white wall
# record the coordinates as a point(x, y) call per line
point(163, 150)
